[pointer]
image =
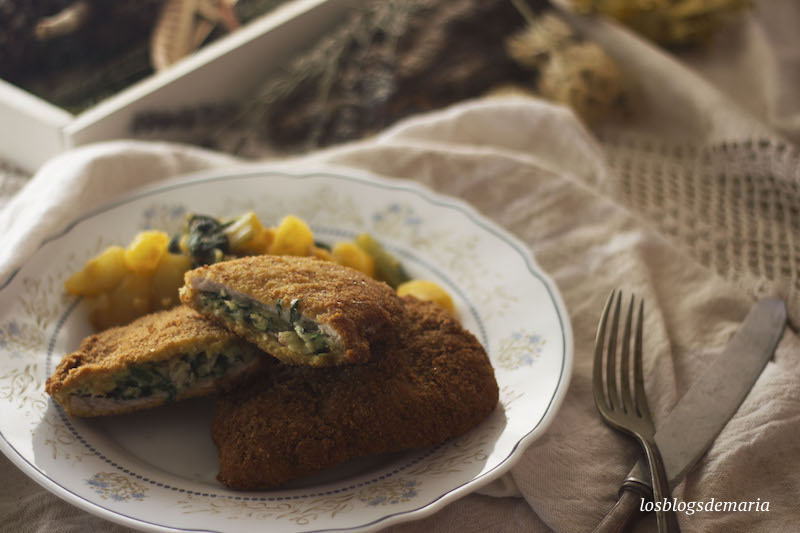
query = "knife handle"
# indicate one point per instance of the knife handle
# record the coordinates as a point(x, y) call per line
point(626, 511)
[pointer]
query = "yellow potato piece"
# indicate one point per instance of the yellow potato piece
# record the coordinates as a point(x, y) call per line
point(146, 250)
point(167, 279)
point(322, 253)
point(124, 303)
point(351, 255)
point(247, 236)
point(101, 273)
point(99, 311)
point(259, 244)
point(427, 290)
point(292, 237)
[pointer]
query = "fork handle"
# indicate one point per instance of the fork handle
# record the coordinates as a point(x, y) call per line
point(667, 520)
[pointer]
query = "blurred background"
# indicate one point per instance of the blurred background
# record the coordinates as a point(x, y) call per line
point(265, 77)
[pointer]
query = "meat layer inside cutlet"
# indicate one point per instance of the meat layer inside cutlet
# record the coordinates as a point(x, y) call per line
point(160, 357)
point(434, 384)
point(304, 311)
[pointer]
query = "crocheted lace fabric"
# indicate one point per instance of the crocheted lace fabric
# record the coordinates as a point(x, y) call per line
point(733, 206)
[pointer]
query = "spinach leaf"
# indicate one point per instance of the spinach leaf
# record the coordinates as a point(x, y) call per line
point(293, 312)
point(207, 241)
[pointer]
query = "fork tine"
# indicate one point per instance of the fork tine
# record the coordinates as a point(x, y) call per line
point(624, 379)
point(640, 398)
point(611, 364)
point(597, 375)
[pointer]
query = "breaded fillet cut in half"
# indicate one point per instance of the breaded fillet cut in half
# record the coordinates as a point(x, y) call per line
point(291, 421)
point(301, 310)
point(161, 357)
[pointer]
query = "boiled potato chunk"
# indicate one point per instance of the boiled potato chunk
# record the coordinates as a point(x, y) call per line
point(259, 244)
point(99, 311)
point(293, 237)
point(167, 279)
point(322, 253)
point(101, 273)
point(146, 250)
point(247, 236)
point(124, 303)
point(351, 255)
point(427, 290)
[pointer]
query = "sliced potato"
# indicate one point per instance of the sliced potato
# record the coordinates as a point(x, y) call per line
point(167, 279)
point(427, 290)
point(99, 311)
point(293, 237)
point(134, 292)
point(127, 301)
point(100, 273)
point(351, 255)
point(146, 250)
point(322, 253)
point(247, 236)
point(259, 244)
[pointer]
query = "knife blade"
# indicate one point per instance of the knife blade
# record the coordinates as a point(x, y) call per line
point(699, 416)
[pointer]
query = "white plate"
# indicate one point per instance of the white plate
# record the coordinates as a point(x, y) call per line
point(156, 470)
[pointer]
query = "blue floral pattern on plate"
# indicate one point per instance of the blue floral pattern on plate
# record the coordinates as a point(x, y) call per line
point(500, 294)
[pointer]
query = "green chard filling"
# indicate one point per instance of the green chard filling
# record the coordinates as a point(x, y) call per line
point(171, 376)
point(287, 326)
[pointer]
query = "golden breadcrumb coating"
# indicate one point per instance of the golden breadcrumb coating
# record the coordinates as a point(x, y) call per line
point(151, 338)
point(363, 312)
point(290, 421)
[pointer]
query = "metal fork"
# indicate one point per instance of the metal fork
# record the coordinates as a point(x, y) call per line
point(627, 409)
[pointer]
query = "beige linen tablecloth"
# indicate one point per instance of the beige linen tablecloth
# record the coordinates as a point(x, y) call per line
point(700, 221)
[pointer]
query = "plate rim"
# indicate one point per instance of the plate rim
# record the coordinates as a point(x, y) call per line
point(351, 174)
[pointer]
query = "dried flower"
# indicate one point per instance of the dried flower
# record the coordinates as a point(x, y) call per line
point(569, 71)
point(583, 77)
point(668, 22)
point(544, 36)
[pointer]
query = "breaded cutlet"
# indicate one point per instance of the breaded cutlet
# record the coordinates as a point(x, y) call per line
point(160, 357)
point(291, 421)
point(302, 310)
